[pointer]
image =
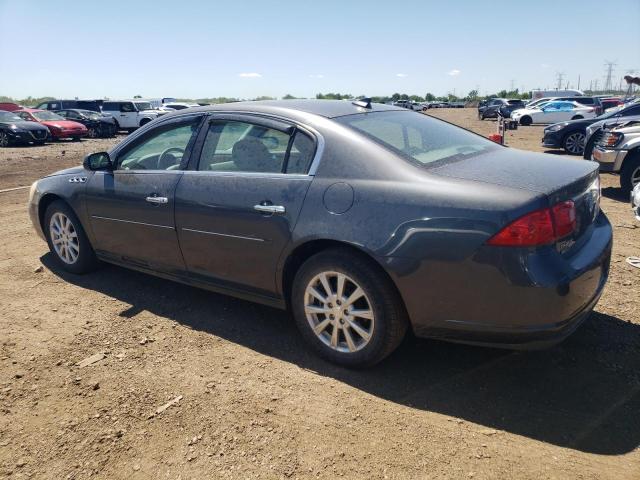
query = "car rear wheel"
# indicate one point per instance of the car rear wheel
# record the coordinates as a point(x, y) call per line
point(67, 240)
point(4, 140)
point(577, 117)
point(346, 309)
point(93, 133)
point(573, 143)
point(116, 126)
point(526, 120)
point(630, 172)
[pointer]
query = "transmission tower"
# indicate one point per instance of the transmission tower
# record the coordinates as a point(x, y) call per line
point(608, 77)
point(559, 79)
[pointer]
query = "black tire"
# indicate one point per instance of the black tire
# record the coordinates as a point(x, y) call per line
point(577, 117)
point(526, 120)
point(144, 121)
point(588, 147)
point(117, 127)
point(630, 171)
point(75, 139)
point(39, 142)
point(93, 132)
point(86, 260)
point(573, 143)
point(4, 140)
point(389, 314)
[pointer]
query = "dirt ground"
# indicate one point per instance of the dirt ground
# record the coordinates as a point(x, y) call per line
point(246, 398)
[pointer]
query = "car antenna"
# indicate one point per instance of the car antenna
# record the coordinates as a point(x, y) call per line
point(364, 102)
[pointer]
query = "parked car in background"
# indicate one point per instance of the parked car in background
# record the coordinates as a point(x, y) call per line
point(59, 127)
point(131, 114)
point(93, 105)
point(98, 125)
point(553, 112)
point(495, 105)
point(14, 130)
point(572, 134)
point(331, 209)
point(608, 103)
point(593, 132)
point(179, 106)
point(9, 106)
point(618, 151)
point(409, 104)
point(535, 94)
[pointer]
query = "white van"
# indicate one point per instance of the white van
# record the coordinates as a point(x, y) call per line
point(535, 94)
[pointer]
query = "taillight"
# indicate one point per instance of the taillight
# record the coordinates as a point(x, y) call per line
point(541, 227)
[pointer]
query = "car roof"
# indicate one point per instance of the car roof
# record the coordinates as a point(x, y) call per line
point(323, 108)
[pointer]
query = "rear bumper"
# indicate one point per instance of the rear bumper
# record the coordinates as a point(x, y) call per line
point(508, 297)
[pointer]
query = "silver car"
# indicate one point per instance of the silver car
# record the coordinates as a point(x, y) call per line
point(618, 151)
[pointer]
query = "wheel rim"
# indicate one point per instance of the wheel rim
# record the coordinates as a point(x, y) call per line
point(64, 238)
point(4, 140)
point(575, 142)
point(635, 177)
point(339, 312)
point(93, 133)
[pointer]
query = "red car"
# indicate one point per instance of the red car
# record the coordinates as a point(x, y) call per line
point(58, 126)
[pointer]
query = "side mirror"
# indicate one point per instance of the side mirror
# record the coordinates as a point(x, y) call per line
point(98, 161)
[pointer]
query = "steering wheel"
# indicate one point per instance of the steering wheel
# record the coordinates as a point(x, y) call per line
point(164, 157)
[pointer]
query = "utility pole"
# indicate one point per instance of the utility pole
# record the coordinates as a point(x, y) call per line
point(578, 82)
point(559, 79)
point(595, 87)
point(609, 69)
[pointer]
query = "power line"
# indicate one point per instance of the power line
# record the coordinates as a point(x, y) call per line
point(559, 79)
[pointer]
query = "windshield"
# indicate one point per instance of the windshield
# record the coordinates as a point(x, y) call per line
point(46, 116)
point(422, 139)
point(143, 106)
point(9, 117)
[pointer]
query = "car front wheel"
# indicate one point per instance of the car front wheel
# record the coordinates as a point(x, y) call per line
point(67, 240)
point(573, 143)
point(526, 120)
point(347, 310)
point(630, 172)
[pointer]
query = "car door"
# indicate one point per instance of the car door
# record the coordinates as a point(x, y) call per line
point(128, 115)
point(131, 208)
point(238, 202)
point(549, 113)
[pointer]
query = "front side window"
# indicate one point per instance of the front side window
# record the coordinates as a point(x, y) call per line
point(161, 149)
point(127, 107)
point(144, 106)
point(234, 146)
point(419, 138)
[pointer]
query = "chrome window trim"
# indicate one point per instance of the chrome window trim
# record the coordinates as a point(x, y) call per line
point(131, 221)
point(279, 175)
point(254, 239)
point(313, 168)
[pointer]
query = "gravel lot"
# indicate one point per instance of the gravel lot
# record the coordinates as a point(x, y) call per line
point(245, 398)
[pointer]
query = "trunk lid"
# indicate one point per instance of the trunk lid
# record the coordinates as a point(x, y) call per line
point(559, 179)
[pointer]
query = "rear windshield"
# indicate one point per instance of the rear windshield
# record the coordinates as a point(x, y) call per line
point(418, 137)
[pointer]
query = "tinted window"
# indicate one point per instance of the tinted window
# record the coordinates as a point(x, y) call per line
point(127, 107)
point(635, 110)
point(161, 149)
point(54, 106)
point(585, 101)
point(111, 106)
point(233, 146)
point(301, 154)
point(419, 137)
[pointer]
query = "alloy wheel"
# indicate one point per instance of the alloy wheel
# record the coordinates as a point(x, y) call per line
point(64, 238)
point(339, 312)
point(92, 133)
point(4, 139)
point(575, 143)
point(635, 177)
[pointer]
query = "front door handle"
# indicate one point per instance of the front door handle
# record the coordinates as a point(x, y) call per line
point(159, 200)
point(270, 208)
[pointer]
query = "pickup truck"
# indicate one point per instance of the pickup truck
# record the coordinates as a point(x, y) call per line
point(618, 151)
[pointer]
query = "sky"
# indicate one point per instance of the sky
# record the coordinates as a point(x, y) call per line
point(249, 48)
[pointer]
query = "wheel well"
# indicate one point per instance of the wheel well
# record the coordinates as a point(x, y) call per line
point(44, 203)
point(144, 121)
point(633, 153)
point(305, 251)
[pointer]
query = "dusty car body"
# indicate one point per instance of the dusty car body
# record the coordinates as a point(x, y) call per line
point(361, 233)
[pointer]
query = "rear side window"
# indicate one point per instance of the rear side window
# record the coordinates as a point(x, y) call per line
point(110, 107)
point(585, 101)
point(419, 138)
point(235, 146)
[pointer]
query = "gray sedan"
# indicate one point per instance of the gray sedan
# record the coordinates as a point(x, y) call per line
point(366, 221)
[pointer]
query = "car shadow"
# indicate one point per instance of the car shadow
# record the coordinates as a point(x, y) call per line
point(615, 194)
point(583, 394)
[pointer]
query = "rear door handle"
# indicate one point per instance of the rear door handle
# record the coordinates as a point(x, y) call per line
point(158, 200)
point(270, 208)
